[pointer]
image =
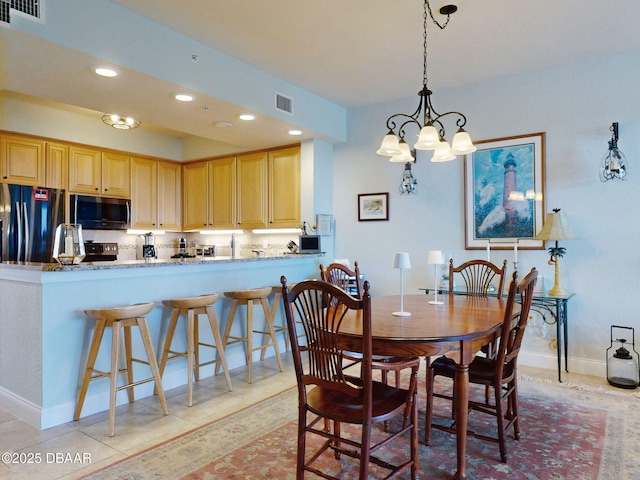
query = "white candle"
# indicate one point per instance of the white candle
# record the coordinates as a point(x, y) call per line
point(488, 251)
point(68, 246)
point(515, 252)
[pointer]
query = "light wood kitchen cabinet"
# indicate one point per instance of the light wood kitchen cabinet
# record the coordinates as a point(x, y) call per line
point(99, 173)
point(284, 188)
point(209, 199)
point(85, 170)
point(155, 198)
point(57, 165)
point(116, 175)
point(195, 196)
point(22, 160)
point(252, 207)
point(222, 193)
point(257, 190)
point(170, 196)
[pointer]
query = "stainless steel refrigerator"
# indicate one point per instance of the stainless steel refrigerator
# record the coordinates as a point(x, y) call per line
point(28, 220)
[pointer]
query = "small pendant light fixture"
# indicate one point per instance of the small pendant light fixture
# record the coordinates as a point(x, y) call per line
point(430, 126)
point(613, 164)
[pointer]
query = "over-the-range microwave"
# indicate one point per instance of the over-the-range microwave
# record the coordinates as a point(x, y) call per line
point(101, 212)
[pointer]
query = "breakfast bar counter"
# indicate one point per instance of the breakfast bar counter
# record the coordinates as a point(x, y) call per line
point(44, 333)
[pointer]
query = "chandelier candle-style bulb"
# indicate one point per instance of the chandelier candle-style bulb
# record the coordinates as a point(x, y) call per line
point(435, 258)
point(401, 261)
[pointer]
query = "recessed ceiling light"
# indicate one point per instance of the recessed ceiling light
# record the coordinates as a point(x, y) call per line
point(184, 97)
point(223, 124)
point(295, 132)
point(247, 116)
point(106, 71)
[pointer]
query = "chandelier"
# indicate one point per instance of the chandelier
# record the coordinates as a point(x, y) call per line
point(121, 123)
point(427, 120)
point(613, 164)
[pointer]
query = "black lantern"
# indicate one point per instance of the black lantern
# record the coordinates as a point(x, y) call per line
point(622, 363)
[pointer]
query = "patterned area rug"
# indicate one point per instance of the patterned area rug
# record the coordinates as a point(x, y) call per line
point(567, 433)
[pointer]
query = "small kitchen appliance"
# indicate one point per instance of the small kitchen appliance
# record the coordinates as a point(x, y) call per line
point(148, 248)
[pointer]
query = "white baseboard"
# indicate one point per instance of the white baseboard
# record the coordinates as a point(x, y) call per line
point(21, 408)
point(582, 366)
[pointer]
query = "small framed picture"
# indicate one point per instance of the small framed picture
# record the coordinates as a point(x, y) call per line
point(373, 206)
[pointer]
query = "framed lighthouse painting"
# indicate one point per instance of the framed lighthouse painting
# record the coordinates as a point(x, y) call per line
point(504, 193)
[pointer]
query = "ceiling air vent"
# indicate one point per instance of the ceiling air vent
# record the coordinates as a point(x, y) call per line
point(31, 9)
point(5, 6)
point(284, 104)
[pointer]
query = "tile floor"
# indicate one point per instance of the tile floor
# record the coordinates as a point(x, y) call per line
point(141, 425)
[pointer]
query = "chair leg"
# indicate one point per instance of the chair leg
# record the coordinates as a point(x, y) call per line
point(513, 399)
point(196, 344)
point(173, 322)
point(153, 364)
point(91, 361)
point(190, 354)
point(113, 376)
point(365, 452)
point(128, 353)
point(414, 437)
point(272, 331)
point(227, 329)
point(250, 339)
point(429, 407)
point(218, 341)
point(500, 421)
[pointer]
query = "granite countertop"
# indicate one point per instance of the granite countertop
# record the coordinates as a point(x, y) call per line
point(160, 262)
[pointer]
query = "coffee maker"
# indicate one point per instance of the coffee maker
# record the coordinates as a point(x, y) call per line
point(148, 248)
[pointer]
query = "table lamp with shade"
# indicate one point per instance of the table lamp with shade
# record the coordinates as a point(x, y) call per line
point(401, 260)
point(435, 258)
point(556, 228)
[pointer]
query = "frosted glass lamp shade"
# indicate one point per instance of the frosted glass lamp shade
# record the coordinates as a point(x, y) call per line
point(428, 138)
point(401, 260)
point(461, 144)
point(405, 156)
point(390, 145)
point(442, 153)
point(436, 257)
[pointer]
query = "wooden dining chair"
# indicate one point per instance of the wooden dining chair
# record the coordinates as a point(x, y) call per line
point(351, 282)
point(500, 373)
point(329, 397)
point(478, 275)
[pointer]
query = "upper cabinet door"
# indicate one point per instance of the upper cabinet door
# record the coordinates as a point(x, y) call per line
point(85, 170)
point(144, 198)
point(252, 191)
point(22, 160)
point(195, 196)
point(169, 196)
point(57, 165)
point(284, 188)
point(116, 175)
point(222, 193)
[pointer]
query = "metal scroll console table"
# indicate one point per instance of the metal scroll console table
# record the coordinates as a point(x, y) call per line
point(546, 305)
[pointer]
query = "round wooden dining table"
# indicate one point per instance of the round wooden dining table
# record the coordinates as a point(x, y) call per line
point(457, 327)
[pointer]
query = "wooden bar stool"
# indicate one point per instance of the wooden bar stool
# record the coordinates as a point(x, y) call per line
point(120, 319)
point(192, 307)
point(247, 298)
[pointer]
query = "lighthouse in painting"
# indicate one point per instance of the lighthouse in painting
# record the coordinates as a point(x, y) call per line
point(509, 186)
